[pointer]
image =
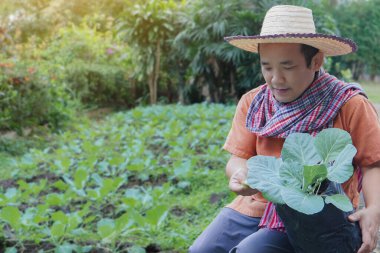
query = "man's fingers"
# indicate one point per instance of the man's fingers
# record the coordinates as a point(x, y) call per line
point(355, 216)
point(369, 242)
point(364, 249)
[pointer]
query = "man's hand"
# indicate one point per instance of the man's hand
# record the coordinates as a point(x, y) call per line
point(238, 184)
point(369, 220)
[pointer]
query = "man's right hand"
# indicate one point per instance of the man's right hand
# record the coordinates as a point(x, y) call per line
point(238, 184)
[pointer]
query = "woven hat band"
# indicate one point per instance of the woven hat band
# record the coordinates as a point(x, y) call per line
point(288, 19)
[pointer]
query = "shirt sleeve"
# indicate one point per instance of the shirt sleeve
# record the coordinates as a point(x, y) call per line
point(240, 141)
point(361, 120)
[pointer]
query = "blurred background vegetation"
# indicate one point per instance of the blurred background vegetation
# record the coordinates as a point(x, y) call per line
point(58, 57)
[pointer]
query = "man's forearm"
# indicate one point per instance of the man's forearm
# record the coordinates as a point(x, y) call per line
point(234, 164)
point(371, 187)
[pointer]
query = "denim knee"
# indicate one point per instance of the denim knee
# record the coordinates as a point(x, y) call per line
point(198, 248)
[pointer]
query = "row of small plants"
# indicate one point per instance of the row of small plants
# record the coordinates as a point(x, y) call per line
point(146, 180)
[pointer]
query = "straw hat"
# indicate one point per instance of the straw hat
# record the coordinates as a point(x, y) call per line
point(293, 24)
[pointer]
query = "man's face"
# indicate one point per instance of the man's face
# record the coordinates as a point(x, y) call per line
point(285, 71)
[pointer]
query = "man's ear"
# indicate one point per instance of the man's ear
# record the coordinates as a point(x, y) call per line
point(317, 61)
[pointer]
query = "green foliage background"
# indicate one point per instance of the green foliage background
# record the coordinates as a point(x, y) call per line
point(120, 53)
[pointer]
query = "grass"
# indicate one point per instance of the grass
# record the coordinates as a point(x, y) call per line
point(373, 91)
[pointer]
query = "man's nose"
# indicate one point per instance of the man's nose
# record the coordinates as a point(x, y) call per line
point(277, 78)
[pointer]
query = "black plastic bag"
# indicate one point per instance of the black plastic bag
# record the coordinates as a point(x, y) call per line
point(328, 231)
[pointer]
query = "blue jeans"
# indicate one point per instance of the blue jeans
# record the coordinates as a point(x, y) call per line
point(234, 232)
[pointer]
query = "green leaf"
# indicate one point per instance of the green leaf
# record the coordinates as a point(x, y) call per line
point(11, 215)
point(156, 215)
point(60, 216)
point(312, 173)
point(54, 199)
point(80, 178)
point(123, 222)
point(136, 249)
point(106, 229)
point(342, 168)
point(11, 250)
point(299, 147)
point(263, 175)
point(66, 248)
point(302, 202)
point(73, 221)
point(291, 174)
point(330, 142)
point(11, 193)
point(57, 230)
point(340, 201)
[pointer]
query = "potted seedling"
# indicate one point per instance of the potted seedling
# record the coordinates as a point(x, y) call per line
point(305, 186)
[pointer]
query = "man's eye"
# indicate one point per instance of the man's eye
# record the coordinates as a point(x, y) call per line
point(288, 68)
point(268, 69)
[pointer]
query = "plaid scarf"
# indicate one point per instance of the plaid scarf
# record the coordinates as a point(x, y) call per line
point(313, 111)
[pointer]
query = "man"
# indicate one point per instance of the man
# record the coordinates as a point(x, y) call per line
point(298, 97)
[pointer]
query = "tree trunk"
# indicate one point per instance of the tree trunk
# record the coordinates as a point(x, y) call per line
point(181, 83)
point(232, 83)
point(213, 83)
point(151, 88)
point(155, 75)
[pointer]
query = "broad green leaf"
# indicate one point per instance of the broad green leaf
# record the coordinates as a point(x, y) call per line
point(110, 185)
point(116, 160)
point(302, 202)
point(291, 174)
point(12, 215)
point(28, 216)
point(340, 201)
point(137, 217)
point(312, 173)
point(66, 248)
point(156, 215)
point(60, 216)
point(136, 249)
point(131, 202)
point(263, 175)
point(3, 200)
point(11, 250)
point(123, 222)
point(93, 194)
point(106, 228)
point(11, 193)
point(60, 185)
point(342, 168)
point(80, 178)
point(57, 230)
point(54, 199)
point(300, 148)
point(73, 221)
point(330, 142)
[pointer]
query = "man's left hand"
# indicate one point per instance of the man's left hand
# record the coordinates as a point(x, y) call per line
point(369, 220)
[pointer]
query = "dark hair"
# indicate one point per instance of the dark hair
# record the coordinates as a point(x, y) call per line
point(308, 52)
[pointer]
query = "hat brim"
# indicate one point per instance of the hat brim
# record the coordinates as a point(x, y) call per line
point(330, 45)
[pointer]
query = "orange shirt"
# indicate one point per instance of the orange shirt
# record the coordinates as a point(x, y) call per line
point(358, 117)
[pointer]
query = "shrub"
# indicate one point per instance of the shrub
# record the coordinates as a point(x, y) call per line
point(99, 84)
point(29, 98)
